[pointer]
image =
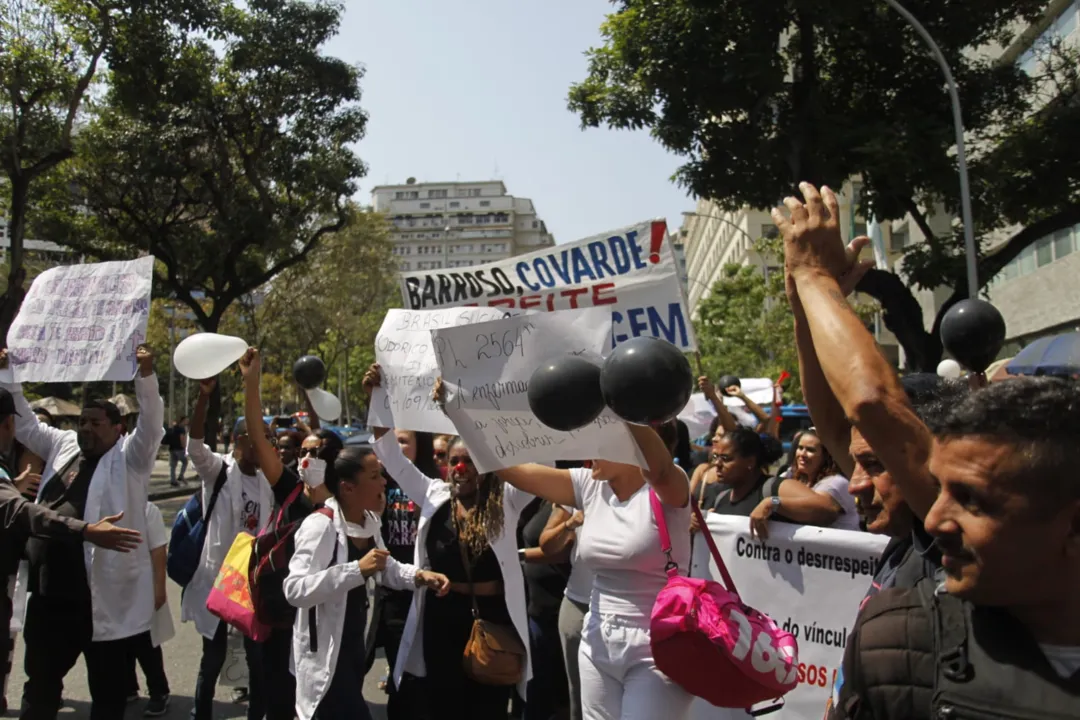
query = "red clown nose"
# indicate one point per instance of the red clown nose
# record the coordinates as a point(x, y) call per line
point(460, 468)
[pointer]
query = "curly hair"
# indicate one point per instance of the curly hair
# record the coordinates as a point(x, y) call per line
point(484, 521)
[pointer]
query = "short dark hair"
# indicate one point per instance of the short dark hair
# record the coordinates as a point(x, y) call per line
point(111, 411)
point(932, 397)
point(748, 443)
point(1039, 417)
point(347, 465)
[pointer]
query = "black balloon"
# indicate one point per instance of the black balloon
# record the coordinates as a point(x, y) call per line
point(973, 332)
point(646, 381)
point(727, 381)
point(564, 393)
point(309, 372)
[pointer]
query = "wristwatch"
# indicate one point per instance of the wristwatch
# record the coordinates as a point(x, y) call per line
point(521, 555)
point(775, 502)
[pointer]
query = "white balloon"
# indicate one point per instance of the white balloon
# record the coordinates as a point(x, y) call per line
point(204, 355)
point(949, 369)
point(326, 404)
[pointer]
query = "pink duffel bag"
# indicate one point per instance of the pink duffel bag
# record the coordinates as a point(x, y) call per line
point(711, 643)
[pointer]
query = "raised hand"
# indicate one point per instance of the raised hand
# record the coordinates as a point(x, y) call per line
point(206, 387)
point(144, 357)
point(250, 363)
point(372, 378)
point(106, 534)
point(811, 233)
point(434, 581)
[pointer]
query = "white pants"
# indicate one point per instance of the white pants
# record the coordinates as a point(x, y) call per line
point(619, 680)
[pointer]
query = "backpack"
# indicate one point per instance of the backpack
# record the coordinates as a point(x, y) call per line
point(189, 533)
point(709, 642)
point(270, 555)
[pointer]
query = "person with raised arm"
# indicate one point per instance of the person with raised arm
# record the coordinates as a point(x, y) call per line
point(467, 531)
point(620, 543)
point(98, 473)
point(244, 504)
point(995, 488)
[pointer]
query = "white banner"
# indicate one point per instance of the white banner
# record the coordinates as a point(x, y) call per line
point(487, 368)
point(811, 581)
point(82, 323)
point(409, 368)
point(632, 271)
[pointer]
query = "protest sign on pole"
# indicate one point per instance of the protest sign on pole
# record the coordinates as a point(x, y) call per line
point(404, 351)
point(81, 323)
point(631, 271)
point(487, 367)
point(811, 581)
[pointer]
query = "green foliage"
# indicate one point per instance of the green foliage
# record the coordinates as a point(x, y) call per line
point(758, 95)
point(745, 326)
point(229, 168)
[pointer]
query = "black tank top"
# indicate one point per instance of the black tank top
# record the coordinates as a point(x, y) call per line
point(444, 552)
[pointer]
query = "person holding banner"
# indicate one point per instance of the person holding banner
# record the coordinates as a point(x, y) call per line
point(815, 468)
point(97, 473)
point(619, 542)
point(467, 531)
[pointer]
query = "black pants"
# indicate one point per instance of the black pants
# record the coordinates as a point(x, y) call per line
point(447, 625)
point(152, 663)
point(213, 659)
point(548, 690)
point(392, 609)
point(56, 634)
point(278, 681)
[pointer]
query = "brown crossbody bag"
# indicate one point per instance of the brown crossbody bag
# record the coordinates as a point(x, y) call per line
point(494, 654)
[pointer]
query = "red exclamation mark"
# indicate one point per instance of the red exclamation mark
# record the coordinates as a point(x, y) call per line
point(659, 230)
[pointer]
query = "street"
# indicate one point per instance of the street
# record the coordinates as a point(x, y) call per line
point(182, 655)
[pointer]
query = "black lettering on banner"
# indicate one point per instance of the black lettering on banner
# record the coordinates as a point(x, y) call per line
point(830, 637)
point(508, 448)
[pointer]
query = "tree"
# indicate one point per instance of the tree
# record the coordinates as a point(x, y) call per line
point(745, 327)
point(331, 306)
point(52, 52)
point(229, 161)
point(761, 94)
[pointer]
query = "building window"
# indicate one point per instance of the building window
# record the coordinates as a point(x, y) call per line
point(535, 224)
point(405, 265)
point(474, 192)
point(455, 204)
point(1063, 243)
point(898, 240)
point(1044, 251)
point(485, 203)
point(483, 219)
point(502, 217)
point(436, 194)
point(425, 206)
point(465, 219)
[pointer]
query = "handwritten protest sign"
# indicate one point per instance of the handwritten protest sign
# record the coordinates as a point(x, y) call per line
point(632, 272)
point(404, 350)
point(82, 323)
point(811, 581)
point(487, 368)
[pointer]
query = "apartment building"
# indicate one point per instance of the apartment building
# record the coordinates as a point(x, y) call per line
point(458, 224)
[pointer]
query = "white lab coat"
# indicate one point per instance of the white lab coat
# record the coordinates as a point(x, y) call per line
point(121, 595)
point(314, 583)
point(222, 528)
point(433, 494)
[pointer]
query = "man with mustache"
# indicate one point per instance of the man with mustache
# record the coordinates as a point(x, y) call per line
point(998, 492)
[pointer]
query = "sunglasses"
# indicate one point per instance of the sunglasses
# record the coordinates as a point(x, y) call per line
point(458, 459)
point(440, 453)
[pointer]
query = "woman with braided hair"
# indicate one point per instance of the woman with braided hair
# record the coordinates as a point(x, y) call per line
point(468, 532)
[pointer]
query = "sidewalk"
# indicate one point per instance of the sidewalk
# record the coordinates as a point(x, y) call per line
point(160, 489)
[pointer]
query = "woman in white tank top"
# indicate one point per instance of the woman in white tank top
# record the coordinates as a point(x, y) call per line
point(620, 545)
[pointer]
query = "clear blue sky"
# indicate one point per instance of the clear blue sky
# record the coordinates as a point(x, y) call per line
point(457, 89)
